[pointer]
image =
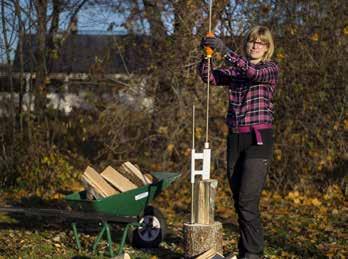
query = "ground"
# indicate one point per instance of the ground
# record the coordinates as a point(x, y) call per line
point(296, 226)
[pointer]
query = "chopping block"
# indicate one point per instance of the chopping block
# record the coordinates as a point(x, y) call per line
point(203, 233)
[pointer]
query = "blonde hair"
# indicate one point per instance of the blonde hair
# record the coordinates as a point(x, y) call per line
point(265, 35)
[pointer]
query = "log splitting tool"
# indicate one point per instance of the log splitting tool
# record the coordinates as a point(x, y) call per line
point(204, 156)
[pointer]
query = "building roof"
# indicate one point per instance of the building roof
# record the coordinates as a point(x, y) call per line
point(4, 67)
point(83, 53)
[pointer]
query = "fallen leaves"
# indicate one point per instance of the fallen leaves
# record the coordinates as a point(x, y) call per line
point(345, 30)
point(314, 37)
point(297, 225)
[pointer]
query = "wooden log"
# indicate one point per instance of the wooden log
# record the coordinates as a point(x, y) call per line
point(96, 181)
point(218, 256)
point(199, 238)
point(91, 192)
point(204, 201)
point(150, 178)
point(122, 256)
point(132, 173)
point(210, 254)
point(135, 170)
point(120, 182)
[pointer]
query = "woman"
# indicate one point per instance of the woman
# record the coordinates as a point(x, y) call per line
point(251, 81)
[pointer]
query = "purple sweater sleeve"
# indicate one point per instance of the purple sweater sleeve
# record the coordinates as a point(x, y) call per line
point(265, 73)
point(222, 76)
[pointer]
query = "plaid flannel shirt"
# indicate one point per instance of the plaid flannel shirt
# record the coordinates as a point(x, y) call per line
point(251, 88)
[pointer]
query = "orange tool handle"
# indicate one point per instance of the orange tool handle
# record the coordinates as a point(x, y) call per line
point(208, 50)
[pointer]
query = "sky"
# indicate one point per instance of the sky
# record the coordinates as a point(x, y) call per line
point(99, 19)
point(95, 19)
point(91, 20)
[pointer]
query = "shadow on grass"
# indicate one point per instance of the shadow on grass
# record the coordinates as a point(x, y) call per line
point(23, 220)
point(37, 223)
point(227, 224)
point(90, 228)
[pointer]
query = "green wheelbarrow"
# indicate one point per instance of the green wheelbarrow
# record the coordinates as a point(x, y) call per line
point(145, 224)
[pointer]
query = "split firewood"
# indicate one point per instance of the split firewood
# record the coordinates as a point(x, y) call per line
point(122, 256)
point(210, 254)
point(91, 193)
point(97, 182)
point(218, 256)
point(111, 181)
point(121, 183)
point(131, 172)
point(135, 170)
point(150, 178)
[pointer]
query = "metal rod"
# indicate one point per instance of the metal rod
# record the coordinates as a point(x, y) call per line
point(192, 216)
point(207, 119)
point(193, 147)
point(208, 81)
point(210, 13)
point(76, 235)
point(193, 127)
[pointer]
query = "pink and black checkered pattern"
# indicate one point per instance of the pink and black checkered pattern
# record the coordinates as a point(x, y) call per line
point(251, 88)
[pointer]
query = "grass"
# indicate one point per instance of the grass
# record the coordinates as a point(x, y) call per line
point(295, 225)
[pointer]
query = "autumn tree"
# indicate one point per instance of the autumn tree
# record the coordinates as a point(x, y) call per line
point(310, 111)
point(310, 95)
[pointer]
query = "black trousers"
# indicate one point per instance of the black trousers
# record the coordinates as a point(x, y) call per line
point(247, 166)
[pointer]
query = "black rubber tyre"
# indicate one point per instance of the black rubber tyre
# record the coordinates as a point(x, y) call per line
point(153, 232)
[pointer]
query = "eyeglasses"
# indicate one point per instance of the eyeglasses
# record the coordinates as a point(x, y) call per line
point(258, 44)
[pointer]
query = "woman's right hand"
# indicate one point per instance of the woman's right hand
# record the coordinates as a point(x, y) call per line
point(215, 43)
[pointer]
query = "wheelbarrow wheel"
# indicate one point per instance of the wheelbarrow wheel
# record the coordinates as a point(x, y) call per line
point(152, 232)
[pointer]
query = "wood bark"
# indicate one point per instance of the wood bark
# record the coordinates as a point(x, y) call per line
point(21, 62)
point(40, 53)
point(199, 238)
point(10, 74)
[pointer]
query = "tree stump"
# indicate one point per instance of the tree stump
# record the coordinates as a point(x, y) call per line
point(199, 238)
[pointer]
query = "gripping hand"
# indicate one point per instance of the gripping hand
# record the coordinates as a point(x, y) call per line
point(215, 43)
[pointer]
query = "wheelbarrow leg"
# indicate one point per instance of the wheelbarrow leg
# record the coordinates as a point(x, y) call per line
point(108, 236)
point(104, 229)
point(101, 233)
point(76, 235)
point(124, 236)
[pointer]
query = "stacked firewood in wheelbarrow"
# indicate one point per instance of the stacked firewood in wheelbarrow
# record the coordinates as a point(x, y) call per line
point(113, 181)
